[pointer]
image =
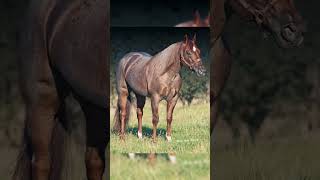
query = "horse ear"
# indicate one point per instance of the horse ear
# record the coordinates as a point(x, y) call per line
point(186, 39)
point(194, 37)
point(208, 19)
point(196, 16)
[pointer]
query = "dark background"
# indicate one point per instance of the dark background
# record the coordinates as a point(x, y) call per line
point(269, 125)
point(267, 80)
point(155, 12)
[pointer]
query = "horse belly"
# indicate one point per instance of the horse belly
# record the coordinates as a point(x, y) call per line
point(137, 82)
point(78, 50)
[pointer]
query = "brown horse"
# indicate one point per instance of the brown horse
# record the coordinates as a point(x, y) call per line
point(279, 17)
point(61, 43)
point(157, 77)
point(196, 22)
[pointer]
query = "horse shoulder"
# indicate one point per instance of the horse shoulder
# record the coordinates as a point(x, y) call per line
point(177, 82)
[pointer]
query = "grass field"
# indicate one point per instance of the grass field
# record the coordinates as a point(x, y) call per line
point(188, 167)
point(289, 158)
point(190, 131)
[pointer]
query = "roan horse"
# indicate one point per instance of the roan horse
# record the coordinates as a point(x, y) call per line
point(196, 22)
point(156, 77)
point(279, 17)
point(61, 43)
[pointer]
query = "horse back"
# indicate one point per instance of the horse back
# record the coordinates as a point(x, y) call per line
point(134, 60)
point(191, 24)
point(132, 69)
point(68, 37)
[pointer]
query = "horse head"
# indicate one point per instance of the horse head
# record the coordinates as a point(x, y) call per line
point(190, 56)
point(279, 17)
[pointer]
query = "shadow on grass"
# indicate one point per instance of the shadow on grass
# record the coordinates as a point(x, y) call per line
point(147, 132)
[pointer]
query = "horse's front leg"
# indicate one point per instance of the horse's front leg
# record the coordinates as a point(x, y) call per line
point(155, 115)
point(220, 68)
point(170, 107)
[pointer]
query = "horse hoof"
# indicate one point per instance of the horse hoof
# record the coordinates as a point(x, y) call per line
point(168, 138)
point(139, 135)
point(152, 158)
point(131, 155)
point(122, 137)
point(173, 159)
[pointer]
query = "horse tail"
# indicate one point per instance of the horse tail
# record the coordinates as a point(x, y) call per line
point(116, 118)
point(59, 146)
point(23, 164)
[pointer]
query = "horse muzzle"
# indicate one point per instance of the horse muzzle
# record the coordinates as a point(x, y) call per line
point(291, 34)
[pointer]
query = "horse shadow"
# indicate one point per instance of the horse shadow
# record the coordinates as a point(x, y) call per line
point(147, 132)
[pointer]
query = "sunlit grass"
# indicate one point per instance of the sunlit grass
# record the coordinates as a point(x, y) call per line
point(188, 167)
point(190, 131)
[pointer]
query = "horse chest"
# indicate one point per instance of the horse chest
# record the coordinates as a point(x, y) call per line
point(169, 85)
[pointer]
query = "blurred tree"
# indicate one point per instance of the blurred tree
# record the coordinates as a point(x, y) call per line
point(192, 86)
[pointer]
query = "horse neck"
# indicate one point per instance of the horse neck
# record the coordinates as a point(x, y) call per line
point(168, 59)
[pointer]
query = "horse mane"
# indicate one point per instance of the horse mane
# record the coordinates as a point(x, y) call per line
point(218, 18)
point(166, 57)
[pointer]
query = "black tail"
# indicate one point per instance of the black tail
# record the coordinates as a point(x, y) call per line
point(116, 118)
point(23, 163)
point(58, 145)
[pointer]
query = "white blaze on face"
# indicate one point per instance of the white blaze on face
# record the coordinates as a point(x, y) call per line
point(194, 49)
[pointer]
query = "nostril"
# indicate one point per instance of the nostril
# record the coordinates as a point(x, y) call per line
point(287, 33)
point(292, 28)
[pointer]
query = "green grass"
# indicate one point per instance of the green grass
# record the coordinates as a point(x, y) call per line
point(188, 167)
point(190, 131)
point(290, 158)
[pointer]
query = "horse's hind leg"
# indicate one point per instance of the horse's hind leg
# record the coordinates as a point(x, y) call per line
point(170, 107)
point(141, 100)
point(41, 110)
point(220, 68)
point(97, 138)
point(122, 102)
